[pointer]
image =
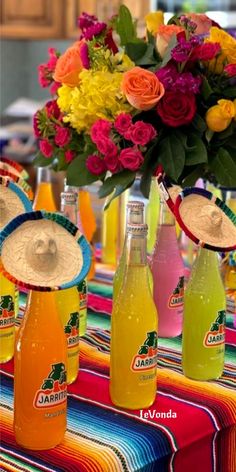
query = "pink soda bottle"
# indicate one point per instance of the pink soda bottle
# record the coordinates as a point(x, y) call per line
point(168, 276)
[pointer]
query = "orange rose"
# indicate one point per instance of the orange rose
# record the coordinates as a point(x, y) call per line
point(142, 88)
point(202, 21)
point(164, 35)
point(69, 66)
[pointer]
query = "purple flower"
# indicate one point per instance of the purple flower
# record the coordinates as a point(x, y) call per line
point(84, 55)
point(85, 21)
point(181, 52)
point(173, 80)
point(167, 75)
point(94, 30)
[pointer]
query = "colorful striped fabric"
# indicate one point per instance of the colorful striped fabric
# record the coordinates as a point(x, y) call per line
point(103, 438)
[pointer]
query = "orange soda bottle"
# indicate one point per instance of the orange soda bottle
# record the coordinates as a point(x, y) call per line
point(88, 222)
point(7, 319)
point(44, 199)
point(40, 387)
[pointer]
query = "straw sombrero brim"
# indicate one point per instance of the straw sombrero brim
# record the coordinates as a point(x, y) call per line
point(63, 257)
point(13, 167)
point(13, 201)
point(19, 181)
point(192, 209)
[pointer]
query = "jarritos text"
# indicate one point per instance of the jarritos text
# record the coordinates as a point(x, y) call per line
point(53, 390)
point(176, 299)
point(146, 358)
point(216, 334)
point(7, 313)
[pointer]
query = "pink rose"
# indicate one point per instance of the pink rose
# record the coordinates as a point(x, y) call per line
point(69, 155)
point(106, 146)
point(131, 158)
point(52, 109)
point(63, 136)
point(54, 87)
point(230, 70)
point(141, 133)
point(205, 52)
point(113, 164)
point(45, 148)
point(100, 129)
point(123, 122)
point(95, 164)
point(36, 122)
point(202, 21)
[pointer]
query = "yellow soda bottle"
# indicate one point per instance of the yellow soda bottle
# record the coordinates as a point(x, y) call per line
point(134, 214)
point(44, 199)
point(152, 218)
point(204, 319)
point(7, 319)
point(230, 274)
point(133, 366)
point(110, 233)
point(68, 300)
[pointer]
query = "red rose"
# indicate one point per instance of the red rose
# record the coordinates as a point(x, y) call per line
point(177, 109)
point(106, 146)
point(112, 162)
point(95, 164)
point(141, 133)
point(205, 52)
point(45, 148)
point(63, 136)
point(131, 158)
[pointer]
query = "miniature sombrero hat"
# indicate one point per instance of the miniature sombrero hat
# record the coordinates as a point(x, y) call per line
point(204, 218)
point(19, 181)
point(13, 201)
point(13, 167)
point(44, 251)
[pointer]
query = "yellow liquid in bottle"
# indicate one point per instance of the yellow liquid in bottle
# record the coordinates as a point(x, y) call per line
point(119, 276)
point(110, 228)
point(7, 319)
point(68, 308)
point(82, 289)
point(44, 199)
point(134, 343)
point(153, 211)
point(204, 320)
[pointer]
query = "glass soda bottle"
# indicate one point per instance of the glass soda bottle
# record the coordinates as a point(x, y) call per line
point(44, 199)
point(71, 211)
point(110, 233)
point(230, 274)
point(88, 222)
point(40, 387)
point(134, 214)
point(168, 276)
point(153, 210)
point(7, 319)
point(68, 300)
point(204, 319)
point(133, 365)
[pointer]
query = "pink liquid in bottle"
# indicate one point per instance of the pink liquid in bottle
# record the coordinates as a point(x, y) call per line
point(168, 277)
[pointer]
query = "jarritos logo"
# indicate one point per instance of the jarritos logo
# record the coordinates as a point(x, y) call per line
point(82, 289)
point(216, 334)
point(7, 313)
point(72, 330)
point(53, 390)
point(147, 354)
point(177, 297)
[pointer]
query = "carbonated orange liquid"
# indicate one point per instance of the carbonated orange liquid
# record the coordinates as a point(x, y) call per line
point(68, 309)
point(40, 388)
point(7, 319)
point(44, 199)
point(89, 224)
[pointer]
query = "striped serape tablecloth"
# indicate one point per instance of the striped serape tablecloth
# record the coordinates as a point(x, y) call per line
point(190, 428)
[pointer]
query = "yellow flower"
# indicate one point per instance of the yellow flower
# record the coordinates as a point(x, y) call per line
point(219, 116)
point(97, 96)
point(154, 20)
point(228, 49)
point(122, 62)
point(64, 98)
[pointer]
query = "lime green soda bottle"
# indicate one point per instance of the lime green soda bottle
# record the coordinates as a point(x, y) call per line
point(134, 215)
point(204, 319)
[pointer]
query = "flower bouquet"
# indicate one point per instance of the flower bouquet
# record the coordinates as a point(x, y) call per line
point(123, 105)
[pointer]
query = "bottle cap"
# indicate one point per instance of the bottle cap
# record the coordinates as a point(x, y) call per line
point(135, 210)
point(137, 229)
point(135, 204)
point(69, 198)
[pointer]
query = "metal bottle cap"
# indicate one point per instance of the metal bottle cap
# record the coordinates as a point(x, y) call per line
point(69, 198)
point(137, 229)
point(135, 210)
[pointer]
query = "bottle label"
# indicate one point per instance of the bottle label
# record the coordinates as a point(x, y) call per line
point(82, 288)
point(146, 357)
point(216, 334)
point(7, 312)
point(176, 299)
point(72, 330)
point(53, 390)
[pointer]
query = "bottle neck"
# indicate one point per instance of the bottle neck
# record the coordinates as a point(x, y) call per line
point(166, 217)
point(136, 250)
point(44, 175)
point(70, 211)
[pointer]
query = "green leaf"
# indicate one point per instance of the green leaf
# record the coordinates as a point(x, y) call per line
point(41, 161)
point(206, 88)
point(174, 20)
point(224, 168)
point(171, 45)
point(136, 49)
point(196, 153)
point(148, 58)
point(78, 174)
point(199, 124)
point(229, 92)
point(191, 179)
point(125, 26)
point(171, 154)
point(121, 181)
